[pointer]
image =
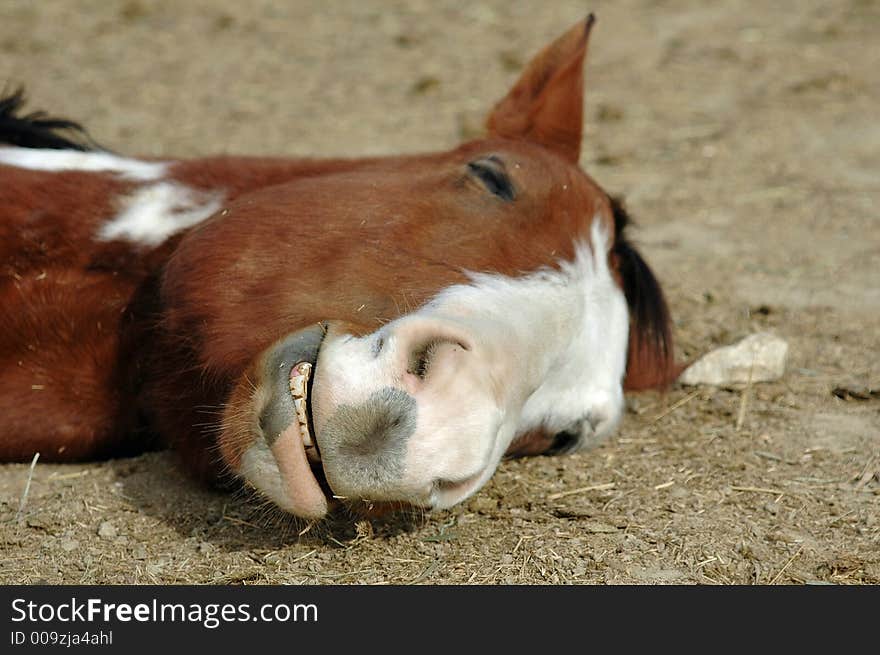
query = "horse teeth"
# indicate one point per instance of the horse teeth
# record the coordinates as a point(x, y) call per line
point(300, 405)
point(298, 385)
point(299, 379)
point(299, 390)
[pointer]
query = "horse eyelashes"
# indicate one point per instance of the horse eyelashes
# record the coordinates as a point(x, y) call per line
point(491, 173)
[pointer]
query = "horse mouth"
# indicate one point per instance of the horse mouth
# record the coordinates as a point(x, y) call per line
point(300, 393)
point(294, 479)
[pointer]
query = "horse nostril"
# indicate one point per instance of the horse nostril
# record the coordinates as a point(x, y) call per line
point(422, 356)
point(364, 445)
point(565, 441)
point(378, 345)
point(572, 437)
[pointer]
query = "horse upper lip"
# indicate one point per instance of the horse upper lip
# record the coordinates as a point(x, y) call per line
point(280, 411)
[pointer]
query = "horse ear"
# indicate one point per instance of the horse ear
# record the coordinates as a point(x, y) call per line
point(546, 105)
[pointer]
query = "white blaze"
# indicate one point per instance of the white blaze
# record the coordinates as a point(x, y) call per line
point(545, 351)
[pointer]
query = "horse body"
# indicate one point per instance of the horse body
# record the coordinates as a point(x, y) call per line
point(453, 307)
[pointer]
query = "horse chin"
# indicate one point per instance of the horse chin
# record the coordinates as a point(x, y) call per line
point(447, 493)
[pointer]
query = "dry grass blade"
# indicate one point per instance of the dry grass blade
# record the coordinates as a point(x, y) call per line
point(761, 490)
point(676, 405)
point(580, 490)
point(787, 564)
point(56, 477)
point(302, 557)
point(27, 488)
point(744, 401)
point(237, 521)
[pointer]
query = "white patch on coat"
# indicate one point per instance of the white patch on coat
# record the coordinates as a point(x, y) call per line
point(558, 339)
point(46, 159)
point(153, 213)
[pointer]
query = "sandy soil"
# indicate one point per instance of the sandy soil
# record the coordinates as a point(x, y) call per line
point(744, 136)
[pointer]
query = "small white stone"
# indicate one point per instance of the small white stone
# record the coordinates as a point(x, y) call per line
point(759, 357)
point(107, 531)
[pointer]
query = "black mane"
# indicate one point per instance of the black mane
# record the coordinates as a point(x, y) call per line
point(647, 304)
point(38, 129)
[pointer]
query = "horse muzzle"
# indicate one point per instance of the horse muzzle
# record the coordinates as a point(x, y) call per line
point(404, 415)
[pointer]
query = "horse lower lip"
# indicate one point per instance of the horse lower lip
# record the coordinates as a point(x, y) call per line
point(303, 492)
point(458, 489)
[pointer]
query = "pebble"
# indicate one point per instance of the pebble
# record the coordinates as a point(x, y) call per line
point(107, 531)
point(759, 357)
point(154, 569)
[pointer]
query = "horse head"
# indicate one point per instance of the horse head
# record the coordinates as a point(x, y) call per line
point(389, 329)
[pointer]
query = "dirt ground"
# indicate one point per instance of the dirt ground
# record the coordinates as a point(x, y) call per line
point(745, 138)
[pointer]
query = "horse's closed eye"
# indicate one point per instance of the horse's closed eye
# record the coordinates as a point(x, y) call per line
point(492, 174)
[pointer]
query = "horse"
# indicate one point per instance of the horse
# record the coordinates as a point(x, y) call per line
point(325, 331)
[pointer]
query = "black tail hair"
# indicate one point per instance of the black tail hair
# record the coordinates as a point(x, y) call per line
point(651, 327)
point(38, 129)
